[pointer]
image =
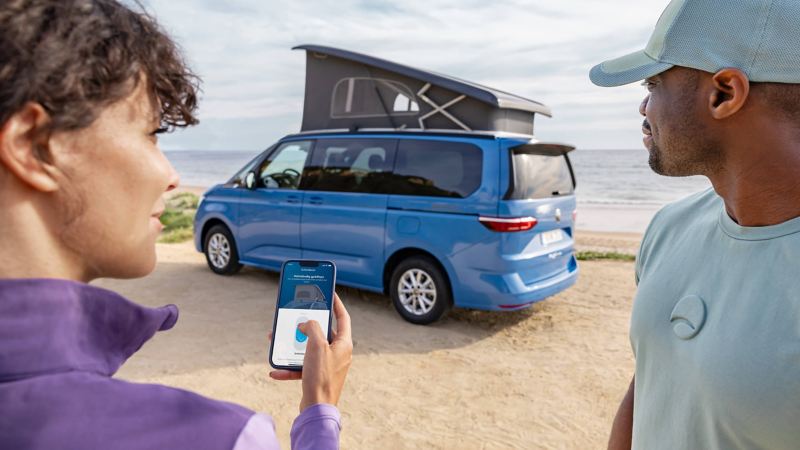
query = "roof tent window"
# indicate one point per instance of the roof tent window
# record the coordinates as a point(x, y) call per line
point(404, 104)
point(372, 97)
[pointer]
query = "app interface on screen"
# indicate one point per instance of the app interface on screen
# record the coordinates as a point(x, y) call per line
point(306, 294)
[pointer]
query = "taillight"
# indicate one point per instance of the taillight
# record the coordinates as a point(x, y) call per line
point(574, 216)
point(503, 225)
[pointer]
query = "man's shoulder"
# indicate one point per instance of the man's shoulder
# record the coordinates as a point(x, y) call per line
point(678, 222)
point(692, 210)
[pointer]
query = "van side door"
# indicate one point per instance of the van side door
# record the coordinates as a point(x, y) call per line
point(269, 213)
point(344, 213)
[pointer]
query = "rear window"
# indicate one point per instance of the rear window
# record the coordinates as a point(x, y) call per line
point(540, 176)
point(436, 169)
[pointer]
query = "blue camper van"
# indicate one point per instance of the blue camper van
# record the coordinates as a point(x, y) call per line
point(434, 217)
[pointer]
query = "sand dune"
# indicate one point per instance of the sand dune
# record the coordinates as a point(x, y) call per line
point(549, 377)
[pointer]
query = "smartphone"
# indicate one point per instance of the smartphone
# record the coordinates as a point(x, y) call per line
point(305, 292)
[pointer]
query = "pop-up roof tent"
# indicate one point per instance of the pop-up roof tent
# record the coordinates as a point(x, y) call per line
point(348, 90)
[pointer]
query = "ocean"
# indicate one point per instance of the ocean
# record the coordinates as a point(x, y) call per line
point(623, 177)
point(616, 188)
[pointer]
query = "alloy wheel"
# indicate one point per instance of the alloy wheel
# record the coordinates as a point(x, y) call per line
point(417, 291)
point(219, 250)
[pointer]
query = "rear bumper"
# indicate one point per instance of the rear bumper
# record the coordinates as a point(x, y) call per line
point(508, 292)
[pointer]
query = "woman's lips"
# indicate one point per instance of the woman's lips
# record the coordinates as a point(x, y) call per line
point(155, 219)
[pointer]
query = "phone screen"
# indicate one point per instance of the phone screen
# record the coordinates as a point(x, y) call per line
point(306, 293)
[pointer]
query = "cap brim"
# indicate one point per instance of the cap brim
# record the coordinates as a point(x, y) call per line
point(627, 69)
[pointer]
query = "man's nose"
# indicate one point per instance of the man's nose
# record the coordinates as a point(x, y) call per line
point(643, 105)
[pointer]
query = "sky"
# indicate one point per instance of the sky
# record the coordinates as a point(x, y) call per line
point(253, 82)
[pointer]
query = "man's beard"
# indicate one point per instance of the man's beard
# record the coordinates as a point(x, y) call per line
point(656, 161)
point(694, 155)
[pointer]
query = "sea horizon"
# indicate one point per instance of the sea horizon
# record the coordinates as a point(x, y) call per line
point(616, 189)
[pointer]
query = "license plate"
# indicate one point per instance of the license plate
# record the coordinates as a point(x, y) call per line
point(550, 237)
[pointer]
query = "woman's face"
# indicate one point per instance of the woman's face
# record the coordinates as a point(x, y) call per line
point(112, 179)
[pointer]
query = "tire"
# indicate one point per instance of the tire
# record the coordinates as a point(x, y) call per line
point(220, 250)
point(419, 290)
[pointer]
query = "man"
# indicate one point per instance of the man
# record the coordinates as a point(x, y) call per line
point(715, 326)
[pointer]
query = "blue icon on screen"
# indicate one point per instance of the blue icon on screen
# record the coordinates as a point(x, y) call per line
point(299, 336)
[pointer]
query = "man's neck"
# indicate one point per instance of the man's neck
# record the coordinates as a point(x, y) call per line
point(760, 185)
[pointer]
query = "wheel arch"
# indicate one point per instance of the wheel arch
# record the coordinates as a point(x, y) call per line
point(405, 253)
point(208, 225)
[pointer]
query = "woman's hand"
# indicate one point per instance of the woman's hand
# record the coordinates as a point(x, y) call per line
point(325, 365)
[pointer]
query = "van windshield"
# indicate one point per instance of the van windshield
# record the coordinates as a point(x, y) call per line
point(539, 176)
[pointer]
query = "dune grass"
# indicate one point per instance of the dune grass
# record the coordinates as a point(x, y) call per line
point(178, 218)
point(598, 256)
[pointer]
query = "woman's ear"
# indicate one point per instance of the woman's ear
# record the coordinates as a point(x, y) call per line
point(23, 149)
point(731, 88)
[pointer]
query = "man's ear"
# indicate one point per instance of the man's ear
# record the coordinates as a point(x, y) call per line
point(731, 88)
point(22, 145)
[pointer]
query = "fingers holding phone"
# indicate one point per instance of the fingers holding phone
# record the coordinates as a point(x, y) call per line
point(305, 292)
point(325, 366)
point(303, 343)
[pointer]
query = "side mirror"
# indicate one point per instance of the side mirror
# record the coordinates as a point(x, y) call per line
point(250, 180)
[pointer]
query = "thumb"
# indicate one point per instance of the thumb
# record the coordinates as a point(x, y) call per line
point(313, 330)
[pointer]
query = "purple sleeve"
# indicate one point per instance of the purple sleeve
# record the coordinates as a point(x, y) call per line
point(258, 434)
point(317, 428)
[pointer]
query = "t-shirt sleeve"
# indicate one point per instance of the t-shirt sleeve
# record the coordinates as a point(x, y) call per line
point(317, 428)
point(644, 247)
point(258, 434)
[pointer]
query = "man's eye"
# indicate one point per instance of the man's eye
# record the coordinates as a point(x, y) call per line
point(159, 130)
point(649, 85)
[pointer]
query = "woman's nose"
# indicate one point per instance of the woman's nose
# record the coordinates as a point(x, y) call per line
point(174, 178)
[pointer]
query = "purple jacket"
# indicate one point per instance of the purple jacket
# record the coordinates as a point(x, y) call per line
point(60, 343)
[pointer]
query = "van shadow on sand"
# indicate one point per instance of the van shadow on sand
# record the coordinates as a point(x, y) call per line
point(225, 321)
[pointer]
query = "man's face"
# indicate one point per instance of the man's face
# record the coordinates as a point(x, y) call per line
point(676, 134)
point(111, 195)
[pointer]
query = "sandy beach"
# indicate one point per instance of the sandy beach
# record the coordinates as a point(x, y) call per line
point(549, 377)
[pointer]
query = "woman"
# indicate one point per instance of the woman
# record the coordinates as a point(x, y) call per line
point(85, 88)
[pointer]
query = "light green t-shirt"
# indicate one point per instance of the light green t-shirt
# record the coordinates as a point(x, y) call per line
point(715, 329)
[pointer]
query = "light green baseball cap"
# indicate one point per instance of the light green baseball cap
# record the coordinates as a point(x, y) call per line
point(759, 37)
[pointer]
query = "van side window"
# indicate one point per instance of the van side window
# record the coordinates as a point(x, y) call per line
point(350, 165)
point(238, 180)
point(437, 169)
point(283, 168)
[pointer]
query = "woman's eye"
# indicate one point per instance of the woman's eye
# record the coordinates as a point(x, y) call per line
point(159, 130)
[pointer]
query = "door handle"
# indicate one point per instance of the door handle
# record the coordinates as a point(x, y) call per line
point(315, 200)
point(293, 199)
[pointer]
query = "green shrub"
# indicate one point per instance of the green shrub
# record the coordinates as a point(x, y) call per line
point(183, 201)
point(175, 220)
point(595, 256)
point(176, 236)
point(178, 218)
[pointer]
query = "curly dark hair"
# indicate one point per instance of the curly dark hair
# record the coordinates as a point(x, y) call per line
point(75, 57)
